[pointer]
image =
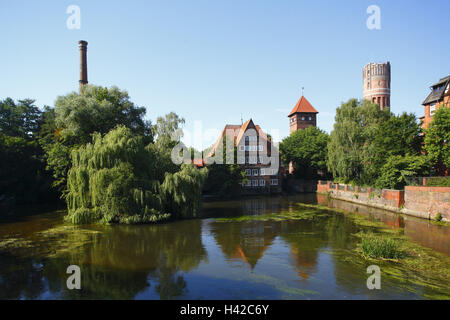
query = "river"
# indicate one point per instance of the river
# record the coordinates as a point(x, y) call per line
point(311, 257)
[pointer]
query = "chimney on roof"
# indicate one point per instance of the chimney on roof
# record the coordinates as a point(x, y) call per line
point(83, 62)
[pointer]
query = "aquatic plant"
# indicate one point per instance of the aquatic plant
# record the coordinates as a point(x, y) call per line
point(379, 247)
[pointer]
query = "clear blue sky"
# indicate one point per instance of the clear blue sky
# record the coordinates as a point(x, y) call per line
point(213, 60)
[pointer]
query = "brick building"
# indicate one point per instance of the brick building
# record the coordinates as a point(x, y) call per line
point(438, 97)
point(253, 146)
point(302, 116)
point(377, 83)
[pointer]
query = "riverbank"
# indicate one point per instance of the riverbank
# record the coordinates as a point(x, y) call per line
point(432, 203)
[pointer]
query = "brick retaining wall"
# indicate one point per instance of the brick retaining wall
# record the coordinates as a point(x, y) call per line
point(424, 202)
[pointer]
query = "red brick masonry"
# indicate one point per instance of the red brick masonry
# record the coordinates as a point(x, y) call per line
point(424, 202)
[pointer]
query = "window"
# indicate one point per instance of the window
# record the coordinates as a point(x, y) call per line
point(254, 183)
point(273, 182)
point(246, 138)
point(260, 148)
point(310, 119)
point(262, 183)
point(247, 148)
point(255, 172)
point(241, 148)
point(432, 109)
point(248, 172)
point(252, 148)
point(274, 172)
point(249, 183)
point(253, 160)
point(262, 172)
point(246, 159)
point(303, 118)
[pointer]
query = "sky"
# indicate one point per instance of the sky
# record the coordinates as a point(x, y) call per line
point(213, 61)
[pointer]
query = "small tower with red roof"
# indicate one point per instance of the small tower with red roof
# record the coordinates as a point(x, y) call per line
point(302, 116)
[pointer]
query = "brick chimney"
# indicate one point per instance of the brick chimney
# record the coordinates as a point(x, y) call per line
point(83, 62)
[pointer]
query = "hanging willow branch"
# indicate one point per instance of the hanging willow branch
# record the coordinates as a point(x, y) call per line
point(115, 179)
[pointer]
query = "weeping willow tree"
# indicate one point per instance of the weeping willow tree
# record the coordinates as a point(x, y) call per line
point(114, 179)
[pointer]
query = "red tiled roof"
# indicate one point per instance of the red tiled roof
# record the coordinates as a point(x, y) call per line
point(303, 106)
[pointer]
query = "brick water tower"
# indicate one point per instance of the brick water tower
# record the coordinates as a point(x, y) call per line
point(377, 83)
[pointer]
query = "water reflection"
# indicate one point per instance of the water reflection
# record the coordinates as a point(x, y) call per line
point(185, 259)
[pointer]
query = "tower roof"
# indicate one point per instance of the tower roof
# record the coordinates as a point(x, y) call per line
point(303, 106)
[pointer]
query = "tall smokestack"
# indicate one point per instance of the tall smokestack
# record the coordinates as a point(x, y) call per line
point(83, 62)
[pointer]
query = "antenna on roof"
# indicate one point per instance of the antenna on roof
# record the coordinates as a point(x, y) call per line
point(242, 120)
point(303, 89)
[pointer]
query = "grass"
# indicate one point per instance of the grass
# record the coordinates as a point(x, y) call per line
point(379, 247)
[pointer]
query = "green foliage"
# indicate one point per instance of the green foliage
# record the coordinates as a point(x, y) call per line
point(377, 247)
point(438, 217)
point(307, 149)
point(23, 178)
point(350, 151)
point(366, 142)
point(19, 120)
point(77, 116)
point(397, 169)
point(115, 179)
point(437, 138)
point(438, 182)
point(224, 180)
point(182, 190)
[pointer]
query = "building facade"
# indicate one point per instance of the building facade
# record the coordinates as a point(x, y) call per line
point(302, 116)
point(254, 149)
point(438, 97)
point(377, 84)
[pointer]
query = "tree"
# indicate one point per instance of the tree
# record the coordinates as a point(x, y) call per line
point(19, 120)
point(23, 178)
point(77, 116)
point(437, 138)
point(307, 149)
point(224, 180)
point(397, 169)
point(116, 179)
point(350, 149)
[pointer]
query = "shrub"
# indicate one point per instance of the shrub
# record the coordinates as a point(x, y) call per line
point(438, 217)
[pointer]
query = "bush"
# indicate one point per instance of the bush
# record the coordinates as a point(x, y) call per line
point(438, 217)
point(398, 169)
point(377, 247)
point(438, 182)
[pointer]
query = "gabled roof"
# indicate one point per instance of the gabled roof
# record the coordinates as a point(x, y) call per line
point(303, 106)
point(236, 132)
point(436, 95)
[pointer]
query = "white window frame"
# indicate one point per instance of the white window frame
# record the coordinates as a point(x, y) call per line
point(273, 172)
point(254, 183)
point(241, 148)
point(255, 172)
point(260, 147)
point(249, 183)
point(262, 183)
point(273, 182)
point(262, 172)
point(248, 172)
point(432, 109)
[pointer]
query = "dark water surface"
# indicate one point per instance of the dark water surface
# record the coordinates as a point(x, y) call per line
point(210, 258)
